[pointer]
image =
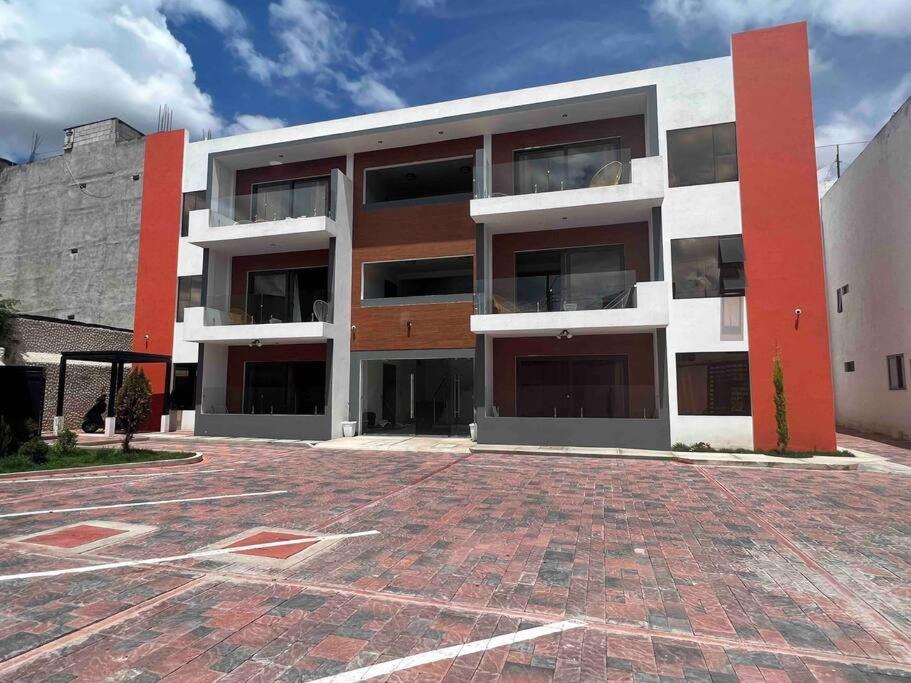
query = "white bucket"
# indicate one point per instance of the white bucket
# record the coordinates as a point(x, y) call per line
point(349, 428)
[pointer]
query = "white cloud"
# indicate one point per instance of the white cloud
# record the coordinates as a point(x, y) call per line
point(107, 58)
point(316, 45)
point(846, 17)
point(851, 128)
point(252, 123)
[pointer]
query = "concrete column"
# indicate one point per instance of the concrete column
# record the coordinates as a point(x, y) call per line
point(341, 307)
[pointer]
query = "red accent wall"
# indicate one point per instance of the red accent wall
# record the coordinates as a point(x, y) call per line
point(156, 274)
point(246, 178)
point(633, 236)
point(638, 348)
point(782, 235)
point(238, 355)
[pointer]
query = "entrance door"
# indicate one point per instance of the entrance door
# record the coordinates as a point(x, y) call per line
point(421, 396)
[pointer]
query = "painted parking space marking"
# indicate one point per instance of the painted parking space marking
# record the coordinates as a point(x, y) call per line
point(387, 668)
point(141, 503)
point(112, 476)
point(185, 556)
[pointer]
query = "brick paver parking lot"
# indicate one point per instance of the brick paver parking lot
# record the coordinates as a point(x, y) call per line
point(662, 571)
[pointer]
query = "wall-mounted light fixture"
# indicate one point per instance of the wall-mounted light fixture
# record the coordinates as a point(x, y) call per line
point(565, 334)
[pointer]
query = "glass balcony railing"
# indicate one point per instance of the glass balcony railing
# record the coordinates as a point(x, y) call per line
point(259, 309)
point(559, 292)
point(274, 203)
point(275, 396)
point(588, 396)
point(552, 170)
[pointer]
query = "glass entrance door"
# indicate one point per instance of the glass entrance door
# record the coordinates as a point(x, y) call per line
point(417, 396)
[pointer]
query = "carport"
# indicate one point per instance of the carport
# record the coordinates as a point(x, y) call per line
point(117, 359)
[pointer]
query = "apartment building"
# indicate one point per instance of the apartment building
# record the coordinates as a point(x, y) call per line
point(865, 217)
point(614, 261)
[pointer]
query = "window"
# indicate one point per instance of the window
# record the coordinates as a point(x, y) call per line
point(896, 366)
point(290, 199)
point(286, 296)
point(706, 154)
point(708, 267)
point(297, 388)
point(849, 366)
point(449, 179)
point(563, 167)
point(183, 395)
point(579, 278)
point(191, 202)
point(839, 298)
point(584, 386)
point(452, 276)
point(189, 293)
point(713, 383)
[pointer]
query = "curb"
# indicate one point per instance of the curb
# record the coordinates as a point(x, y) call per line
point(837, 463)
point(188, 460)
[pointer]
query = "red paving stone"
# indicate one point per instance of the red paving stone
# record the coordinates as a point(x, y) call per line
point(75, 536)
point(679, 573)
point(281, 552)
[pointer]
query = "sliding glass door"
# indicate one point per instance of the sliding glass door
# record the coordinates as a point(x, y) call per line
point(285, 388)
point(417, 396)
point(578, 278)
point(584, 386)
point(563, 167)
point(291, 199)
point(283, 296)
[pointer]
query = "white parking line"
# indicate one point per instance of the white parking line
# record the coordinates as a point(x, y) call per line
point(386, 668)
point(185, 556)
point(140, 504)
point(112, 476)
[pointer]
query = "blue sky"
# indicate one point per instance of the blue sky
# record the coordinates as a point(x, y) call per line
point(227, 66)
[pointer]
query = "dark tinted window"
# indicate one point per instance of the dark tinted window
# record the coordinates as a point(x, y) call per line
point(419, 277)
point(301, 198)
point(849, 366)
point(191, 202)
point(713, 383)
point(448, 178)
point(896, 366)
point(297, 388)
point(286, 296)
point(189, 293)
point(708, 267)
point(183, 395)
point(585, 386)
point(706, 154)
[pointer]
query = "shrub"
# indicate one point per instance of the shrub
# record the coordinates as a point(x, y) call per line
point(781, 405)
point(702, 447)
point(134, 404)
point(680, 447)
point(66, 442)
point(35, 450)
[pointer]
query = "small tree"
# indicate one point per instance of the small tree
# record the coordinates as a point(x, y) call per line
point(781, 405)
point(134, 404)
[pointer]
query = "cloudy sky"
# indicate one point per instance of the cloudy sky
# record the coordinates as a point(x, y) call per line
point(229, 66)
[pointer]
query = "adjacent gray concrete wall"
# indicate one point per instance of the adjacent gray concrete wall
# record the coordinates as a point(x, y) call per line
point(40, 342)
point(866, 218)
point(44, 215)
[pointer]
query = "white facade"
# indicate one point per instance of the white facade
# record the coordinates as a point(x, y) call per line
point(670, 97)
point(866, 217)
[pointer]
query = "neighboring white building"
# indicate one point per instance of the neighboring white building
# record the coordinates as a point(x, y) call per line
point(866, 218)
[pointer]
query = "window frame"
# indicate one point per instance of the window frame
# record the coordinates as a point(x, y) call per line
point(743, 357)
point(426, 298)
point(256, 187)
point(416, 201)
point(190, 302)
point(287, 364)
point(674, 181)
point(564, 147)
point(899, 381)
point(288, 273)
point(730, 267)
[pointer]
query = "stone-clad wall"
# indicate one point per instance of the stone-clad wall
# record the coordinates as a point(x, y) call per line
point(39, 342)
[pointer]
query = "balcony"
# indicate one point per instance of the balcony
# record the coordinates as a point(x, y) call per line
point(276, 217)
point(576, 188)
point(258, 320)
point(609, 302)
